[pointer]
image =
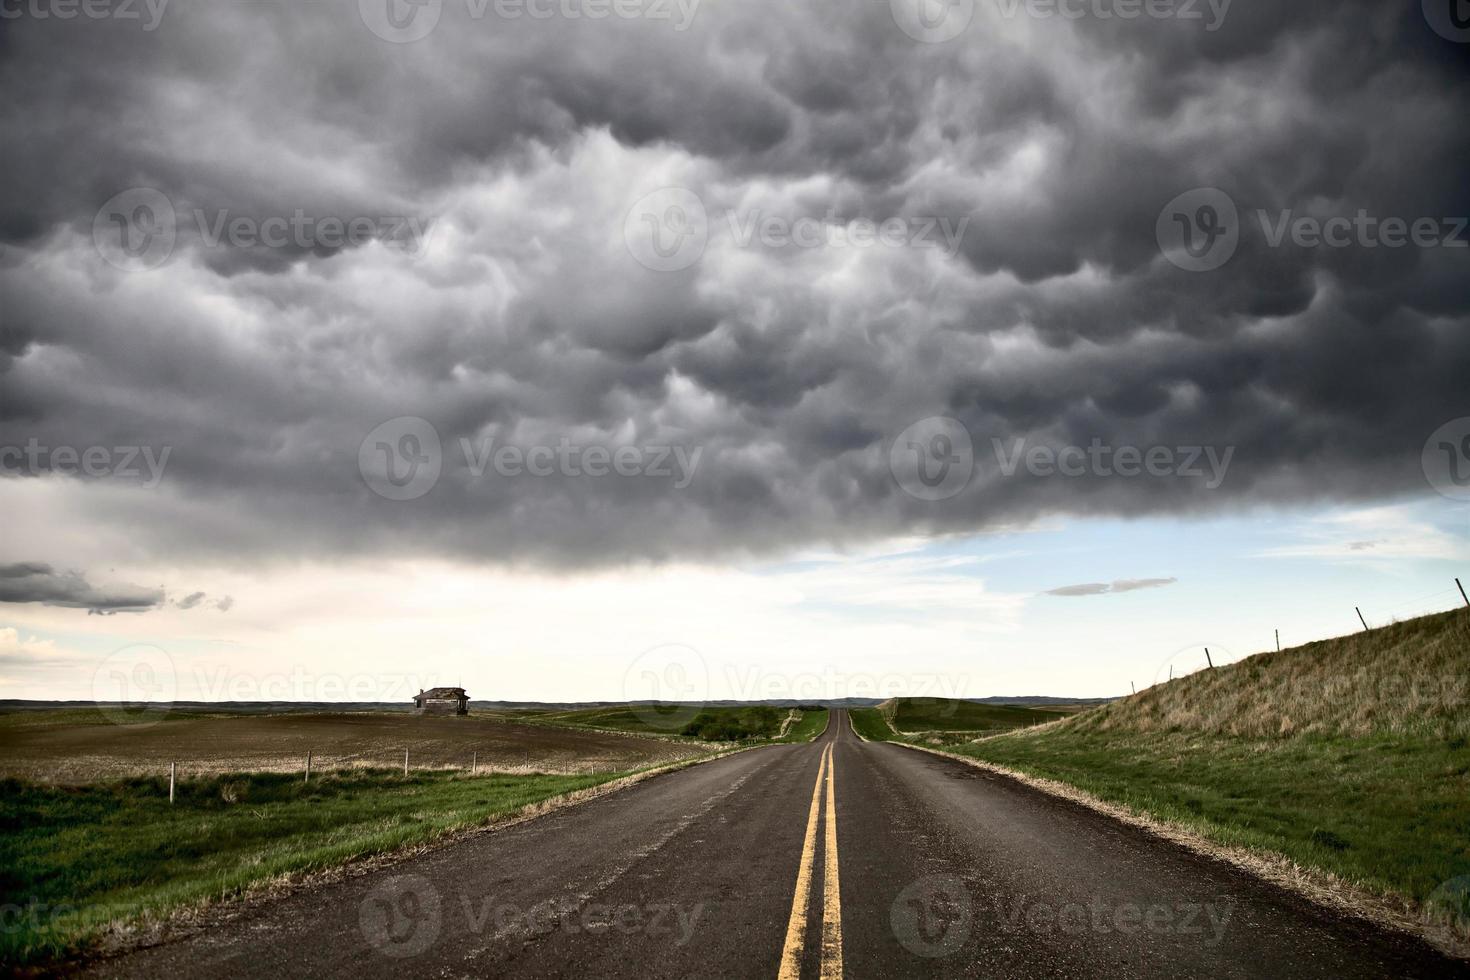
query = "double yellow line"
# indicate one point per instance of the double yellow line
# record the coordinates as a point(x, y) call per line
point(796, 926)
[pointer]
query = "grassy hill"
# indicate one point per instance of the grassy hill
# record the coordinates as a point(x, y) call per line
point(718, 723)
point(951, 715)
point(1351, 755)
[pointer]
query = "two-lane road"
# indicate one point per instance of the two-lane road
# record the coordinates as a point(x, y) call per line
point(835, 858)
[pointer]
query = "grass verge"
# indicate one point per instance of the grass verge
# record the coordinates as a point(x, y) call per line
point(870, 724)
point(812, 723)
point(1348, 756)
point(74, 860)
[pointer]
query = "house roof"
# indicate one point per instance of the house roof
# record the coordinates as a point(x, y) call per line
point(435, 693)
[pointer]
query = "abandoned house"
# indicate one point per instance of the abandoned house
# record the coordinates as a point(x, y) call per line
point(442, 701)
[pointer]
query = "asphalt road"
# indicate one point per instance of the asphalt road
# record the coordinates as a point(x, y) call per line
point(937, 869)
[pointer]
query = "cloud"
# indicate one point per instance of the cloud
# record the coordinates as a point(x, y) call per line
point(39, 582)
point(190, 601)
point(1102, 588)
point(18, 649)
point(525, 319)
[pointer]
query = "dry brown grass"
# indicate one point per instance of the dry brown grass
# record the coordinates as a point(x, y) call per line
point(1411, 678)
point(33, 747)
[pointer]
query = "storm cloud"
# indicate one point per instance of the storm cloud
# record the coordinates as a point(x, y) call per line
point(335, 275)
point(39, 582)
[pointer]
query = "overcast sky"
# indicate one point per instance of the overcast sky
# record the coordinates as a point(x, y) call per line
point(517, 339)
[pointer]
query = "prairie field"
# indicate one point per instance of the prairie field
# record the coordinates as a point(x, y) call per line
point(84, 746)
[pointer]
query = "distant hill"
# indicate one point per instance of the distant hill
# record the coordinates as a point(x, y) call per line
point(951, 715)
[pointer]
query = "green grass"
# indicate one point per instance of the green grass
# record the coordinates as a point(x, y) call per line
point(1391, 814)
point(813, 722)
point(712, 724)
point(869, 723)
point(951, 715)
point(73, 859)
point(1350, 755)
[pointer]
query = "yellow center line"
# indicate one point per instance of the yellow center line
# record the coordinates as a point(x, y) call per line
point(831, 887)
point(796, 925)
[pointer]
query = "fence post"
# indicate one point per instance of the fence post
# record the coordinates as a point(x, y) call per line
point(1361, 619)
point(405, 762)
point(1134, 686)
point(1462, 593)
point(308, 767)
point(474, 763)
point(1278, 641)
point(171, 782)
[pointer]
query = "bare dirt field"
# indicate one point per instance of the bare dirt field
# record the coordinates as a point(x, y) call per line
point(74, 747)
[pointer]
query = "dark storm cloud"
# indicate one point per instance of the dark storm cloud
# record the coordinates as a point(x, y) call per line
point(39, 582)
point(492, 164)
